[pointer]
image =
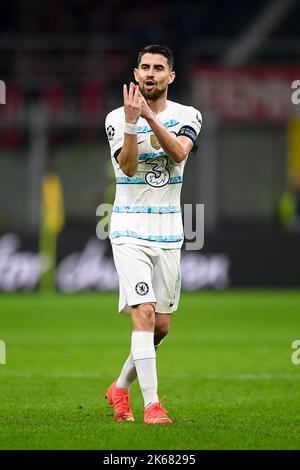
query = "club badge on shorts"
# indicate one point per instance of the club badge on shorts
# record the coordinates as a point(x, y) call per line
point(142, 288)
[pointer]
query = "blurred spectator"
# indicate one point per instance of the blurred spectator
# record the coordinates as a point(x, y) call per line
point(289, 208)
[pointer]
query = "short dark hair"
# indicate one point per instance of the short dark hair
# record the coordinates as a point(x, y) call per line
point(158, 49)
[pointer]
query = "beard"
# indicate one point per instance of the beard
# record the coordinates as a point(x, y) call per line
point(153, 94)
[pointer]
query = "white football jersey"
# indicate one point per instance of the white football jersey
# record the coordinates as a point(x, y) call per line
point(147, 208)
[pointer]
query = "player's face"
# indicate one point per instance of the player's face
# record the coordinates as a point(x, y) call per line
point(153, 76)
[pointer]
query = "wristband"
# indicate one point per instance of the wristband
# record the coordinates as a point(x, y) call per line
point(130, 128)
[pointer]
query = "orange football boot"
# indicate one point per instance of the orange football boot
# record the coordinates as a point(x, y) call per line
point(156, 414)
point(119, 399)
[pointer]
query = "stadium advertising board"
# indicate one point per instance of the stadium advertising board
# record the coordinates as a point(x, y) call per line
point(257, 93)
point(227, 260)
point(91, 267)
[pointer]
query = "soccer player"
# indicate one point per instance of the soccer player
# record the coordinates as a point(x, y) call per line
point(150, 139)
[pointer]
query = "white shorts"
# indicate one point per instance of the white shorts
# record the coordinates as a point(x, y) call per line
point(148, 274)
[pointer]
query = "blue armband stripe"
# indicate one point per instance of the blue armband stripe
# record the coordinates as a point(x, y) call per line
point(188, 131)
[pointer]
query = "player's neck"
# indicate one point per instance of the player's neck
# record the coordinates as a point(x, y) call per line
point(159, 105)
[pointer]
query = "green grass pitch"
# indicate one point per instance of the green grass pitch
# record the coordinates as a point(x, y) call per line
point(225, 368)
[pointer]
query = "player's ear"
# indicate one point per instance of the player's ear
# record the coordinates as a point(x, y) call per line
point(135, 72)
point(172, 76)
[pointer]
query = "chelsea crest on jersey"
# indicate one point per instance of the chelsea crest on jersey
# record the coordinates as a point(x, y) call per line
point(147, 208)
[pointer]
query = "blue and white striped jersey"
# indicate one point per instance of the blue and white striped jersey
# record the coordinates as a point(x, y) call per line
point(147, 208)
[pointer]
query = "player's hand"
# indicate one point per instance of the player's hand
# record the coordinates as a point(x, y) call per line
point(132, 103)
point(146, 111)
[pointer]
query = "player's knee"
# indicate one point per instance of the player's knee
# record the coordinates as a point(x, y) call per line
point(144, 316)
point(147, 313)
point(161, 331)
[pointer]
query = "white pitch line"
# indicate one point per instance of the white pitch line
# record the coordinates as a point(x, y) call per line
point(262, 376)
point(98, 375)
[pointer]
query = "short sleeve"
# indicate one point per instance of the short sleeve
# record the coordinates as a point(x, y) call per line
point(115, 132)
point(191, 123)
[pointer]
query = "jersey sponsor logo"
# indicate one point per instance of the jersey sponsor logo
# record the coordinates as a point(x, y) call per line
point(142, 288)
point(159, 175)
point(110, 130)
point(154, 142)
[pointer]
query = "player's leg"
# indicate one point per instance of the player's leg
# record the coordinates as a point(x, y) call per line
point(135, 289)
point(166, 286)
point(161, 329)
point(136, 284)
point(134, 268)
point(154, 412)
point(147, 369)
point(143, 351)
point(128, 372)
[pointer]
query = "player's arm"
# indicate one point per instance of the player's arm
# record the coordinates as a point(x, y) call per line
point(128, 156)
point(176, 147)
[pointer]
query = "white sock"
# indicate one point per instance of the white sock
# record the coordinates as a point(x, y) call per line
point(143, 353)
point(128, 372)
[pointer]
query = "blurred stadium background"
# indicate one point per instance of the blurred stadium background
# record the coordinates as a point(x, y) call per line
point(64, 63)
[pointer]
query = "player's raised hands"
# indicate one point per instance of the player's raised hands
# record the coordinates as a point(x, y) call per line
point(146, 111)
point(132, 103)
